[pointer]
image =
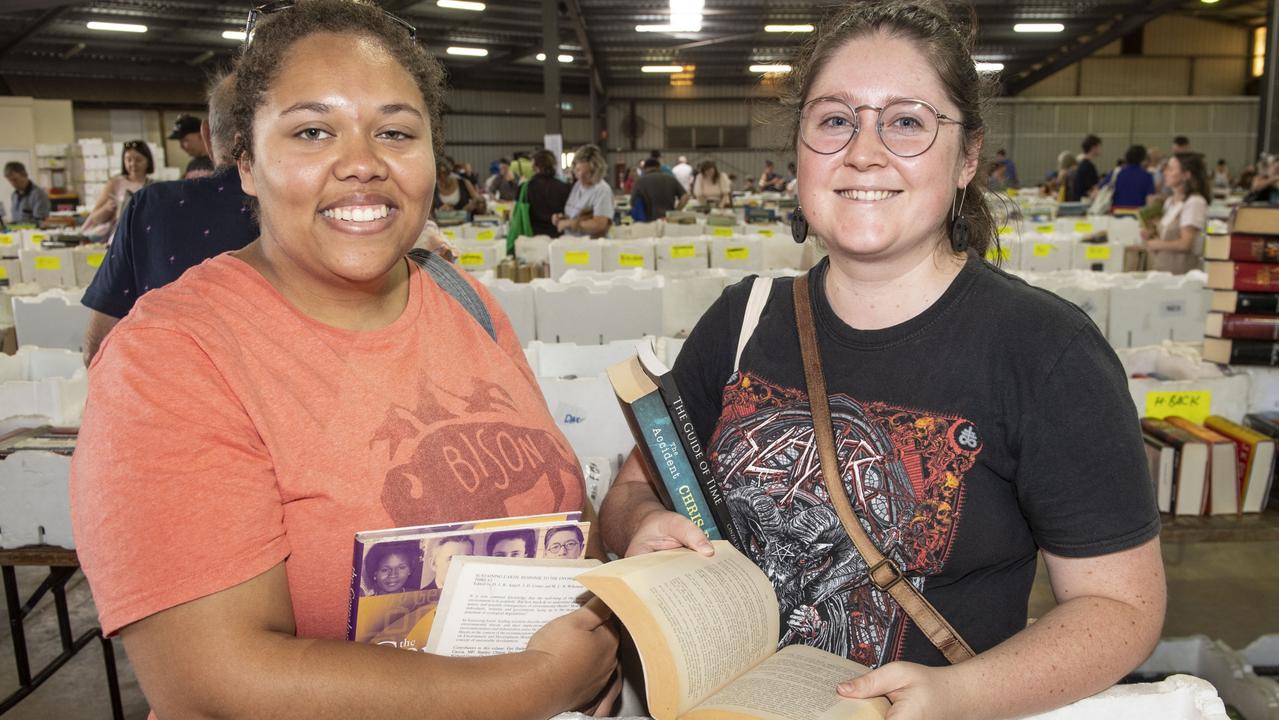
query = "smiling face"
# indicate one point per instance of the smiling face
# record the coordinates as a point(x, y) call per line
point(392, 573)
point(342, 163)
point(864, 201)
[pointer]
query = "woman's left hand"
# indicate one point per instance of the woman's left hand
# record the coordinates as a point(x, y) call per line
point(917, 692)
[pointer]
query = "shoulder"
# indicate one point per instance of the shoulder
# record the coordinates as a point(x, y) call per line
point(1030, 318)
point(198, 299)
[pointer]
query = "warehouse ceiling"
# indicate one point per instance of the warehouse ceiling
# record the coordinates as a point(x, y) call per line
point(43, 39)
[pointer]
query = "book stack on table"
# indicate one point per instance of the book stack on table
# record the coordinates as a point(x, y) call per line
point(1217, 467)
point(1243, 273)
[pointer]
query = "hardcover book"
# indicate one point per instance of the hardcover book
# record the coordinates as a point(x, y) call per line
point(665, 381)
point(1241, 352)
point(1252, 303)
point(1236, 326)
point(707, 660)
point(398, 575)
point(1162, 459)
point(657, 438)
point(1242, 246)
point(1256, 219)
point(1223, 474)
point(1247, 276)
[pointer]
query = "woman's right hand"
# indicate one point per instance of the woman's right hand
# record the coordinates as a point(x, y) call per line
point(579, 651)
point(661, 529)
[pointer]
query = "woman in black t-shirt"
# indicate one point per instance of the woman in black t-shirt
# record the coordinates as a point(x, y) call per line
point(978, 421)
point(546, 194)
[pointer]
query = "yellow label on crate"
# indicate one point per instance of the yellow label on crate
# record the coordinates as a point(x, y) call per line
point(1044, 249)
point(1045, 229)
point(6, 239)
point(4, 273)
point(683, 251)
point(722, 232)
point(1193, 405)
point(631, 260)
point(450, 234)
point(1083, 227)
point(48, 262)
point(766, 233)
point(95, 259)
point(1005, 254)
point(737, 253)
point(578, 257)
point(37, 238)
point(1005, 230)
point(1097, 252)
point(484, 235)
point(1012, 192)
point(471, 259)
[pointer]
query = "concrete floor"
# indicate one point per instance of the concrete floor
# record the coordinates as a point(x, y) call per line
point(1228, 591)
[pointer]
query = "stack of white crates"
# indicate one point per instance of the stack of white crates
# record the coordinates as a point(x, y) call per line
point(52, 166)
point(91, 167)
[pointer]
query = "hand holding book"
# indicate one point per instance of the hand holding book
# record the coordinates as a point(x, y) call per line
point(662, 529)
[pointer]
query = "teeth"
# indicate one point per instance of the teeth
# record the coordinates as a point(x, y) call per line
point(366, 213)
point(870, 195)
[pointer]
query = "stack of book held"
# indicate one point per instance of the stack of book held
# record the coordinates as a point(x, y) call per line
point(1217, 468)
point(1243, 272)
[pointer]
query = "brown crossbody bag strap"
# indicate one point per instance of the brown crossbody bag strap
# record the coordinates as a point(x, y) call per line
point(885, 574)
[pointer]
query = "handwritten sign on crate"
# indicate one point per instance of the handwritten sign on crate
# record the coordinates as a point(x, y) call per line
point(1194, 405)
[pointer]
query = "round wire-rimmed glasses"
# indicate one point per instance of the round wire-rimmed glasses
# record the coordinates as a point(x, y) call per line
point(907, 127)
point(280, 5)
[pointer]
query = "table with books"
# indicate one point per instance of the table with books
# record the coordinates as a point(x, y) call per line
point(62, 564)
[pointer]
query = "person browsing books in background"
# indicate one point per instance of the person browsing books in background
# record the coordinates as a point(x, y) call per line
point(711, 187)
point(589, 208)
point(978, 421)
point(547, 194)
point(247, 420)
point(136, 166)
point(564, 543)
point(1177, 247)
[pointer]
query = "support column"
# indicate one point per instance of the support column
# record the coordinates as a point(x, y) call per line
point(551, 67)
point(1268, 126)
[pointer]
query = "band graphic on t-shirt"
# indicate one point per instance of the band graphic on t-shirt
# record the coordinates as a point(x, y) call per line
point(903, 469)
point(461, 454)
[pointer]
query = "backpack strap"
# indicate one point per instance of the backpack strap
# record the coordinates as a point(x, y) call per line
point(442, 272)
point(754, 308)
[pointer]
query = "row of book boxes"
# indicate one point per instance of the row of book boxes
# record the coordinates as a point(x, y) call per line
point(1133, 309)
point(12, 242)
point(42, 386)
point(1048, 253)
point(1188, 379)
point(1229, 671)
point(61, 267)
point(53, 319)
point(479, 233)
point(595, 311)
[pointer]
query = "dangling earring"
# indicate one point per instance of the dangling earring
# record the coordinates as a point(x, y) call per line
point(959, 230)
point(798, 226)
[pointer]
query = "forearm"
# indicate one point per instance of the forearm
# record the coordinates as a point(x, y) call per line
point(627, 502)
point(594, 226)
point(285, 677)
point(1078, 649)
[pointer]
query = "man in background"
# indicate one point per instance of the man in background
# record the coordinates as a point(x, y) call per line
point(187, 132)
point(656, 192)
point(172, 226)
point(504, 185)
point(30, 202)
point(1010, 167)
point(1086, 175)
point(684, 173)
point(770, 180)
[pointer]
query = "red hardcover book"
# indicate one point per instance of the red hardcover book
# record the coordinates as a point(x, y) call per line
point(1247, 276)
point(1242, 327)
point(1242, 246)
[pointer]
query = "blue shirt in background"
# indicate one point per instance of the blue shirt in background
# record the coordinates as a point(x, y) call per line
point(166, 229)
point(1132, 185)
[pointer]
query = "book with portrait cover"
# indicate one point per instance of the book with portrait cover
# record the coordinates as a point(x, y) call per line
point(665, 460)
point(719, 660)
point(398, 574)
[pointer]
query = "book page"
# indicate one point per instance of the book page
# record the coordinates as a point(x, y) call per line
point(493, 605)
point(716, 617)
point(796, 683)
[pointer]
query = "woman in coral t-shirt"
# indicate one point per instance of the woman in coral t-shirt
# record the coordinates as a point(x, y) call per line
point(244, 422)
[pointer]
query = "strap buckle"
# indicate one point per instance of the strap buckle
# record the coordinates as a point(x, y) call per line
point(892, 566)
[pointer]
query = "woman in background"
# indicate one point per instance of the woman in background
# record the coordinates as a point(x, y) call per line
point(547, 194)
point(711, 187)
point(136, 167)
point(588, 212)
point(1178, 246)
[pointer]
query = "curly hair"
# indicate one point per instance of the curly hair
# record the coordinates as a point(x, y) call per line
point(410, 550)
point(591, 155)
point(259, 62)
point(945, 36)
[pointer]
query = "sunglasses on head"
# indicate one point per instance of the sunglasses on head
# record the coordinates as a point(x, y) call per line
point(281, 5)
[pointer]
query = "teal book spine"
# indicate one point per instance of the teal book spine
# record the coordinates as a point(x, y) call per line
point(672, 463)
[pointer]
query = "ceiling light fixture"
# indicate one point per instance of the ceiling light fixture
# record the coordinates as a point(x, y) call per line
point(541, 57)
point(468, 51)
point(788, 28)
point(989, 67)
point(234, 35)
point(770, 68)
point(1038, 27)
point(460, 5)
point(662, 68)
point(686, 17)
point(116, 27)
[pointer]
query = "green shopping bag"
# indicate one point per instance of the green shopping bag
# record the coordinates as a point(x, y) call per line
point(521, 224)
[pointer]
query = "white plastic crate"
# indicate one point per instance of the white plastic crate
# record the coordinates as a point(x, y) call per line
point(52, 319)
point(42, 386)
point(35, 505)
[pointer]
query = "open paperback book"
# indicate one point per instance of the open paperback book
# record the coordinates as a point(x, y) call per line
point(707, 629)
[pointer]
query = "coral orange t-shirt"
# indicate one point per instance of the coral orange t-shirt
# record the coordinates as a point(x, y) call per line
point(226, 432)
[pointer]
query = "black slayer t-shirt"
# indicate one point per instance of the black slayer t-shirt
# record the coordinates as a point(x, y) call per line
point(995, 423)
